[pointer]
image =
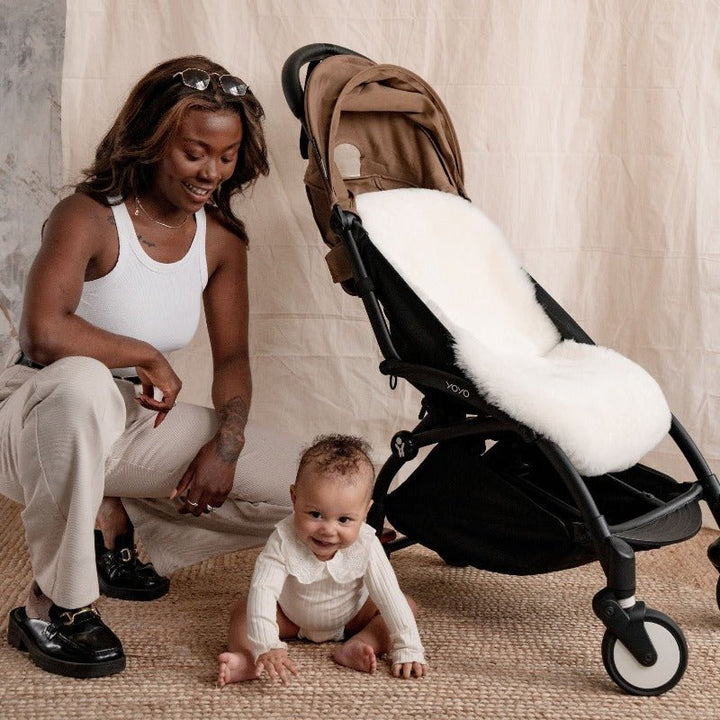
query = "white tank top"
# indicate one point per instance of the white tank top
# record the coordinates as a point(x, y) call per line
point(142, 298)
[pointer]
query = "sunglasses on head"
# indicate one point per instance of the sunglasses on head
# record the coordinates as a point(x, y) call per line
point(200, 80)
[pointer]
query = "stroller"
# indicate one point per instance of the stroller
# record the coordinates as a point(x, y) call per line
point(536, 433)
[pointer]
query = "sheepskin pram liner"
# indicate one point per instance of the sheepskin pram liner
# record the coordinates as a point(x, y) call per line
point(603, 410)
point(506, 509)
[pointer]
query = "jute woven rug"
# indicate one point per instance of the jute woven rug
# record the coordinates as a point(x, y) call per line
point(498, 647)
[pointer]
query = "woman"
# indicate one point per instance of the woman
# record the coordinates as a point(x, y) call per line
point(88, 408)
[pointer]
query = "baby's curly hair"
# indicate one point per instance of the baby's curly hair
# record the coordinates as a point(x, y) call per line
point(336, 454)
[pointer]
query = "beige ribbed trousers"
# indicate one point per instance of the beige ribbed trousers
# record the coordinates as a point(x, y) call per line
point(71, 434)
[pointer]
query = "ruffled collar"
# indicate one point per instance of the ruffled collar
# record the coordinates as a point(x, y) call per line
point(347, 564)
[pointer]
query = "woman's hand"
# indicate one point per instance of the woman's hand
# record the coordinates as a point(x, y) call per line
point(207, 481)
point(158, 374)
point(277, 664)
point(210, 476)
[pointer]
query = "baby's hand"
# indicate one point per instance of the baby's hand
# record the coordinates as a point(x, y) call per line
point(277, 664)
point(409, 669)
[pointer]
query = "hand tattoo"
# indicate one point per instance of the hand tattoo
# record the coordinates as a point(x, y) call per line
point(233, 417)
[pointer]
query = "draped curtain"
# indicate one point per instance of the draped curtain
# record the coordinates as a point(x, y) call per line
point(590, 133)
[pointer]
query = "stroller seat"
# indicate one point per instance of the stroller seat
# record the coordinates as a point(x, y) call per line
point(602, 409)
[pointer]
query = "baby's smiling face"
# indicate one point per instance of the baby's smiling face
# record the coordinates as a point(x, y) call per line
point(330, 509)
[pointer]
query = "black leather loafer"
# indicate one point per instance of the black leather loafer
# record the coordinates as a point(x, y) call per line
point(76, 643)
point(122, 575)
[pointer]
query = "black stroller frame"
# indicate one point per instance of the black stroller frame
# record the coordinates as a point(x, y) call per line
point(453, 409)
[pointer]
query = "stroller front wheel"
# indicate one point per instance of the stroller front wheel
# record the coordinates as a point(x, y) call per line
point(672, 655)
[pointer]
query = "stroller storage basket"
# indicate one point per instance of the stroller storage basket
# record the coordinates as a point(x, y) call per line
point(507, 511)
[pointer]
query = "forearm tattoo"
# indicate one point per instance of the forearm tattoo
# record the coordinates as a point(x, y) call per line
point(233, 417)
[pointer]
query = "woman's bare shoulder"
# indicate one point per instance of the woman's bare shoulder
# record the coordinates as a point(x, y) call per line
point(216, 226)
point(78, 205)
point(221, 241)
point(77, 217)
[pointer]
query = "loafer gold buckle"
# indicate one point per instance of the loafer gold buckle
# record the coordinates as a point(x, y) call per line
point(70, 616)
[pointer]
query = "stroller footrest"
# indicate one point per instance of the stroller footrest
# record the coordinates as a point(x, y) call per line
point(674, 526)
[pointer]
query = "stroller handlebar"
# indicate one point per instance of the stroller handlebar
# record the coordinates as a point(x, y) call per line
point(313, 53)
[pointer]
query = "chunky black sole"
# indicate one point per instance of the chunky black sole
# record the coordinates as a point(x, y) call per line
point(137, 594)
point(23, 641)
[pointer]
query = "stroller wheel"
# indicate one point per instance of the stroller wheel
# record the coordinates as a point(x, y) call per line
point(636, 679)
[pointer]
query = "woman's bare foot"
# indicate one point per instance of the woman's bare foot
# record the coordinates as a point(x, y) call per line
point(235, 667)
point(357, 655)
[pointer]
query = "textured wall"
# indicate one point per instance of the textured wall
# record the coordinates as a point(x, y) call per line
point(31, 51)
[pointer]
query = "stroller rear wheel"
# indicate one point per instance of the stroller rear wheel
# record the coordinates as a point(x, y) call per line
point(672, 655)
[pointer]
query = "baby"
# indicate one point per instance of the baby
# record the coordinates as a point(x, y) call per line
point(324, 576)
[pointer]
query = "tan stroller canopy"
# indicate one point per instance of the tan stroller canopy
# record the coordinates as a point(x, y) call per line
point(393, 123)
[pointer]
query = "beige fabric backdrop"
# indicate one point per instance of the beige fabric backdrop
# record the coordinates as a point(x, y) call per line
point(590, 134)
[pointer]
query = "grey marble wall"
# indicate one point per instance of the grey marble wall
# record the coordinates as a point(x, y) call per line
point(31, 52)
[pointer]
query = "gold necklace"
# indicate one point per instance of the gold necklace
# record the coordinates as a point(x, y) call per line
point(139, 207)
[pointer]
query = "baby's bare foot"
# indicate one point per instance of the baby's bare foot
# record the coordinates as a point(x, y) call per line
point(235, 667)
point(357, 655)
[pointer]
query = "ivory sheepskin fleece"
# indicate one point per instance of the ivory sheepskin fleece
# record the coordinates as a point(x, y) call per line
point(603, 410)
